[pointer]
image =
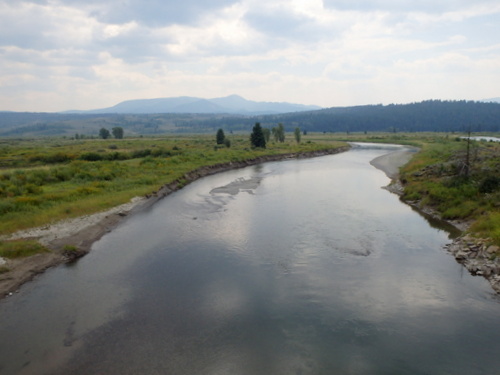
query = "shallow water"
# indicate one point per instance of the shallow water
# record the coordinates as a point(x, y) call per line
point(295, 267)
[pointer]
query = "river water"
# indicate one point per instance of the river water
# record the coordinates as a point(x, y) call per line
point(294, 267)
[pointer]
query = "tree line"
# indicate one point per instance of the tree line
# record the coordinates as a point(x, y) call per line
point(260, 136)
point(431, 115)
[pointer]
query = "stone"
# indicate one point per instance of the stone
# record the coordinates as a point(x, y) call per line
point(472, 267)
point(486, 270)
point(493, 249)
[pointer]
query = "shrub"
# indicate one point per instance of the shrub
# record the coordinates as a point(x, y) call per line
point(6, 206)
point(489, 184)
point(70, 248)
point(33, 189)
point(91, 156)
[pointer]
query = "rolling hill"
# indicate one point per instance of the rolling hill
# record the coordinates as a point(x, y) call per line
point(232, 104)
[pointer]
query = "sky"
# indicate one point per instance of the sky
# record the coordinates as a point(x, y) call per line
point(59, 55)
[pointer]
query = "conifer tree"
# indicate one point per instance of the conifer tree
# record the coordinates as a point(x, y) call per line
point(220, 137)
point(257, 138)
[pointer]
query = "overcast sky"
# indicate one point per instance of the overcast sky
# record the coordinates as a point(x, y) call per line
point(86, 54)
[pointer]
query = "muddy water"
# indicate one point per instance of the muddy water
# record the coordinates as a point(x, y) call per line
point(295, 267)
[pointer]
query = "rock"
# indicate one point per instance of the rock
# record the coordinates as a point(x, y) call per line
point(73, 255)
point(461, 255)
point(473, 267)
point(486, 270)
point(492, 249)
point(2, 261)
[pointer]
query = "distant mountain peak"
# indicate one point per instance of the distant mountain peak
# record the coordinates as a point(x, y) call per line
point(232, 104)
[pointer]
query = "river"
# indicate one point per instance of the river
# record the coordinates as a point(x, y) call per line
point(294, 267)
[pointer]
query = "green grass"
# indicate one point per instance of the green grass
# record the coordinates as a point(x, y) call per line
point(436, 176)
point(20, 249)
point(488, 226)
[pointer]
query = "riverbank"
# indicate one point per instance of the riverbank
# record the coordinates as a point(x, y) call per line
point(70, 239)
point(475, 254)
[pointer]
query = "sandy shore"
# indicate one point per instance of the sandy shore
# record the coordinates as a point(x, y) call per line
point(390, 163)
point(83, 231)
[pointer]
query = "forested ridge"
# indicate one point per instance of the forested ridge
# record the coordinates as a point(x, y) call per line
point(430, 115)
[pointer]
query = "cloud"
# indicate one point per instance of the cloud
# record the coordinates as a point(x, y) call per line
point(153, 13)
point(425, 6)
point(87, 54)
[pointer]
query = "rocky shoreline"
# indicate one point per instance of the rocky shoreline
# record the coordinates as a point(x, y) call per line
point(71, 239)
point(478, 257)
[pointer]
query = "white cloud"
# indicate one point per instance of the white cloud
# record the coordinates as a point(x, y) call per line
point(62, 54)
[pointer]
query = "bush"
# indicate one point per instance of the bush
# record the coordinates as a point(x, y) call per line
point(489, 184)
point(58, 157)
point(91, 156)
point(7, 206)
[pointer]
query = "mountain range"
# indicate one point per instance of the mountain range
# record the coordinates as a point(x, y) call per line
point(233, 104)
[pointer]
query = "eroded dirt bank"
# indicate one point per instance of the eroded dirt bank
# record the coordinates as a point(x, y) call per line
point(83, 231)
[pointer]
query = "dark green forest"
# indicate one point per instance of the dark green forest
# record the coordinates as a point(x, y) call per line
point(431, 115)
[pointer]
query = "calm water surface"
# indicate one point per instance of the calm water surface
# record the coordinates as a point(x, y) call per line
point(295, 267)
